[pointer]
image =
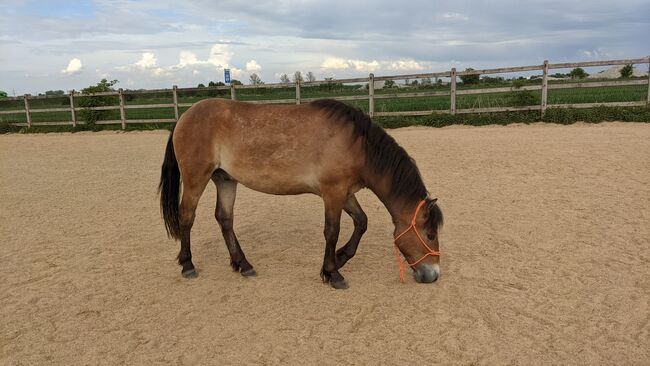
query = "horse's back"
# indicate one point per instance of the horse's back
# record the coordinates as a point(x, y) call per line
point(278, 149)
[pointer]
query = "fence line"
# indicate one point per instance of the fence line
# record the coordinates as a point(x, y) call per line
point(371, 79)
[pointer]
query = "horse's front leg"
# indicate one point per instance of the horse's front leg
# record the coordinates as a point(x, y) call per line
point(333, 208)
point(360, 220)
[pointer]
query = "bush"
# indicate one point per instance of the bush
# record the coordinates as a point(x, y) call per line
point(626, 71)
point(470, 79)
point(578, 73)
point(524, 98)
point(91, 116)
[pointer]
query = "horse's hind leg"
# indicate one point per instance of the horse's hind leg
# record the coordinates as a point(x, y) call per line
point(226, 193)
point(360, 220)
point(193, 186)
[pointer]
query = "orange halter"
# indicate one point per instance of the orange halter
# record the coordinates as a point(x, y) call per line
point(430, 252)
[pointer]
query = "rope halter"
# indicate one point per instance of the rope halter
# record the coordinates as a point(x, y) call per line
point(430, 252)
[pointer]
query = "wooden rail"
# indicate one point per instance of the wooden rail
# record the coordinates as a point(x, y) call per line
point(371, 81)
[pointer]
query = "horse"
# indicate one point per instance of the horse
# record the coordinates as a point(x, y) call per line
point(324, 147)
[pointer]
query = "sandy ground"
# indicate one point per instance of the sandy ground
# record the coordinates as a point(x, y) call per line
point(546, 258)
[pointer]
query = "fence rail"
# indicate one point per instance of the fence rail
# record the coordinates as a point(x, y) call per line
point(371, 96)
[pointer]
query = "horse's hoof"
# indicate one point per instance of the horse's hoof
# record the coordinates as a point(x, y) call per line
point(190, 273)
point(339, 285)
point(249, 272)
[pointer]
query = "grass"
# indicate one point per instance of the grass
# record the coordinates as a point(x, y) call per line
point(514, 98)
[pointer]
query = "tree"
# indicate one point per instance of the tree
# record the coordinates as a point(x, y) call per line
point(255, 79)
point(415, 83)
point(218, 83)
point(626, 71)
point(3, 94)
point(89, 115)
point(297, 77)
point(54, 92)
point(200, 85)
point(310, 77)
point(284, 79)
point(578, 73)
point(471, 78)
point(236, 82)
point(389, 84)
point(425, 81)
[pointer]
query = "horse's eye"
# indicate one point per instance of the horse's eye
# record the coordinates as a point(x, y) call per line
point(431, 236)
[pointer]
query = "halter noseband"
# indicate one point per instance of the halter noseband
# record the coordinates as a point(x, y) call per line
point(430, 252)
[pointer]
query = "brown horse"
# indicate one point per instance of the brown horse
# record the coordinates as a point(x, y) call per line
point(325, 147)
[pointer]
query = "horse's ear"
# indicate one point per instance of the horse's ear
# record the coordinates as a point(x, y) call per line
point(428, 206)
point(431, 203)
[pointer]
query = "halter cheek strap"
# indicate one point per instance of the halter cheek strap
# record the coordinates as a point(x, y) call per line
point(430, 252)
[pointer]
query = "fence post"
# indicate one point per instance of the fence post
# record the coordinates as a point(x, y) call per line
point(29, 116)
point(122, 119)
point(452, 94)
point(233, 94)
point(73, 114)
point(371, 95)
point(647, 101)
point(545, 87)
point(297, 91)
point(175, 95)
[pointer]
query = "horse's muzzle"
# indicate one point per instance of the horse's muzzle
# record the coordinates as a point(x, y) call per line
point(426, 273)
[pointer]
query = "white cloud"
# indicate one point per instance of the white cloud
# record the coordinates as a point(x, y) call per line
point(220, 55)
point(74, 67)
point(161, 71)
point(406, 65)
point(334, 63)
point(148, 61)
point(454, 16)
point(253, 66)
point(360, 65)
point(188, 58)
point(237, 73)
point(195, 72)
point(102, 75)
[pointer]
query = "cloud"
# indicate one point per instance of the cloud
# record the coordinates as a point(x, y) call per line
point(74, 67)
point(335, 63)
point(182, 38)
point(220, 56)
point(406, 65)
point(360, 65)
point(148, 61)
point(253, 66)
point(454, 16)
point(188, 58)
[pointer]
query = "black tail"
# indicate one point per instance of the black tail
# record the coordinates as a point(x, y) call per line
point(169, 188)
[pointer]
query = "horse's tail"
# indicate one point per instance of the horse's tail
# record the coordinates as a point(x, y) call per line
point(169, 188)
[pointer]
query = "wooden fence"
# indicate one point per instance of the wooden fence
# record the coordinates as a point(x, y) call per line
point(371, 97)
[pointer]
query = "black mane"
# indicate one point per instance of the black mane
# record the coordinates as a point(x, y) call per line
point(383, 155)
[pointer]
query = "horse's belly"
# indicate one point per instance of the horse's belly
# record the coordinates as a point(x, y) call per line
point(271, 181)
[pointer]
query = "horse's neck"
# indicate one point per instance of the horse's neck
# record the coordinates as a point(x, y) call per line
point(399, 208)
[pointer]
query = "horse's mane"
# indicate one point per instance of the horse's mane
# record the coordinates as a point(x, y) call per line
point(383, 155)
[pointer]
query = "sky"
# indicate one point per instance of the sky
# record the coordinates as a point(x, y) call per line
point(50, 45)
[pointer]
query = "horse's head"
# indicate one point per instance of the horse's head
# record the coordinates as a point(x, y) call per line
point(416, 237)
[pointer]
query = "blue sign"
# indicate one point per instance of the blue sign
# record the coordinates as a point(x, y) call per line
point(226, 75)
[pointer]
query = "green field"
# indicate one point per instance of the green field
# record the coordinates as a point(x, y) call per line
point(486, 100)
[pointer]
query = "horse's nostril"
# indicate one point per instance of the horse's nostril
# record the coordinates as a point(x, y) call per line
point(426, 274)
